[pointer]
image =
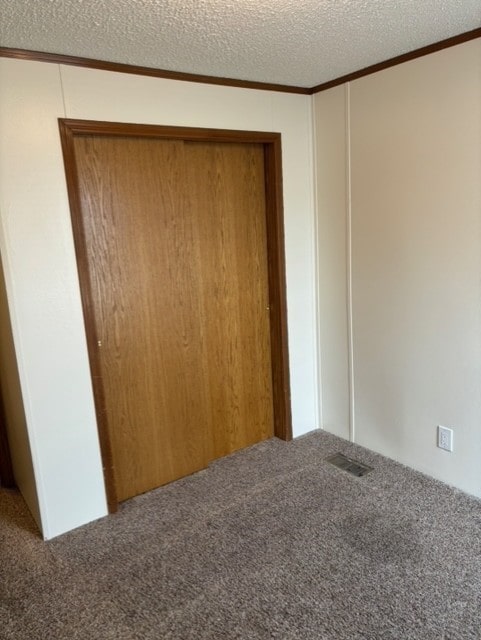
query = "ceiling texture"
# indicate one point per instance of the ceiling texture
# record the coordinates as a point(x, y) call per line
point(293, 42)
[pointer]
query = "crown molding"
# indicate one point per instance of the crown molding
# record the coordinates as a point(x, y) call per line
point(91, 63)
point(405, 57)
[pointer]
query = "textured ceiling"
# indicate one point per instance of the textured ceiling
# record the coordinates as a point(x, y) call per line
point(294, 42)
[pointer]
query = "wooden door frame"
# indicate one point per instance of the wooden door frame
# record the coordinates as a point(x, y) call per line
point(69, 129)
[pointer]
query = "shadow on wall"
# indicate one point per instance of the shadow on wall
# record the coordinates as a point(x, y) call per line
point(15, 454)
point(6, 470)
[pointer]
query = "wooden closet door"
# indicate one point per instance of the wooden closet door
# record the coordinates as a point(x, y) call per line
point(177, 264)
point(227, 192)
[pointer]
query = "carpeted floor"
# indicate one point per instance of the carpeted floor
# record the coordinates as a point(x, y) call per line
point(269, 543)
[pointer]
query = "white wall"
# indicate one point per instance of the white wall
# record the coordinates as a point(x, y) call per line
point(40, 268)
point(44, 299)
point(414, 209)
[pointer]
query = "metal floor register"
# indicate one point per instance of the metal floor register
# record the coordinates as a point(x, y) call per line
point(348, 464)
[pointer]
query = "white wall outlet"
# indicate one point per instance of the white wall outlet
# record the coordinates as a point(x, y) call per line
point(445, 438)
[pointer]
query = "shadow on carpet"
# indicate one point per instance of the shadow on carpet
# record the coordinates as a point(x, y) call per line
point(272, 542)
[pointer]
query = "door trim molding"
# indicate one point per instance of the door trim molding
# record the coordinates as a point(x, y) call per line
point(69, 129)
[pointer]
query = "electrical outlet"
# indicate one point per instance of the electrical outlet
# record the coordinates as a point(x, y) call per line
point(445, 438)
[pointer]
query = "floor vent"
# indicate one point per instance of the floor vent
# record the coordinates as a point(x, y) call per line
point(348, 464)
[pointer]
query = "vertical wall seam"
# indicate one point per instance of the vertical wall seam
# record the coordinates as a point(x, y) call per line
point(350, 342)
point(62, 91)
point(317, 275)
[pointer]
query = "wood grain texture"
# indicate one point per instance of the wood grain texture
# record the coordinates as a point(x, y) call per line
point(67, 138)
point(270, 143)
point(227, 197)
point(146, 308)
point(277, 290)
point(76, 127)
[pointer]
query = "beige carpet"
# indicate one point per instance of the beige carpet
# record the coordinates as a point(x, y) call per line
point(270, 543)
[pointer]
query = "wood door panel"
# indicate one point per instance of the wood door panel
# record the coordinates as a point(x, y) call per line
point(226, 187)
point(175, 240)
point(145, 308)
